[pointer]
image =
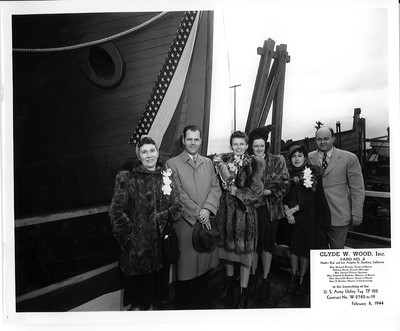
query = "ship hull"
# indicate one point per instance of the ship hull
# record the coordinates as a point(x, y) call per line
point(74, 112)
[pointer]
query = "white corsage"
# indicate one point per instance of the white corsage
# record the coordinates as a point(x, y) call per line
point(237, 163)
point(307, 177)
point(166, 188)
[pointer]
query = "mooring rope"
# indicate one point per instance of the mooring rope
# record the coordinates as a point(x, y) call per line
point(90, 43)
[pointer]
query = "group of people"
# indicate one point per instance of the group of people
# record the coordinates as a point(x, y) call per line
point(240, 196)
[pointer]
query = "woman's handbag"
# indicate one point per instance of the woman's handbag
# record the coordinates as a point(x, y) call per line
point(170, 250)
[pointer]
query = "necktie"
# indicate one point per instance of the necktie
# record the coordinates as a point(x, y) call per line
point(195, 159)
point(324, 162)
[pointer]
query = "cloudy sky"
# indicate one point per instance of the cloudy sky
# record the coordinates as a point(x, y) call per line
point(339, 61)
point(338, 50)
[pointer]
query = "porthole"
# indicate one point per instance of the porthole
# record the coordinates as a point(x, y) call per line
point(102, 64)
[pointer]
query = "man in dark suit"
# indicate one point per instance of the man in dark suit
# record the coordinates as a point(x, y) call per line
point(343, 186)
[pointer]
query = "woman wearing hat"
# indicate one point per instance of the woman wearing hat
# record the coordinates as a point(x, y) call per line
point(145, 200)
point(241, 177)
point(276, 182)
point(301, 211)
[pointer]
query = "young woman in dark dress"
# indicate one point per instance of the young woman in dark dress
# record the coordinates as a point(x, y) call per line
point(301, 210)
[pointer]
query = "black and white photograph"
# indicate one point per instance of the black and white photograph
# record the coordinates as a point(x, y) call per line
point(199, 164)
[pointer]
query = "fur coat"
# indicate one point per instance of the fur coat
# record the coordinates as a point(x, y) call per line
point(277, 180)
point(237, 217)
point(139, 210)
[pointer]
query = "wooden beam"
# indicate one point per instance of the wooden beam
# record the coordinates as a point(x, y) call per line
point(261, 51)
point(277, 113)
point(376, 194)
point(280, 71)
point(67, 282)
point(60, 216)
point(260, 87)
point(356, 118)
point(270, 93)
point(275, 55)
point(267, 96)
point(378, 139)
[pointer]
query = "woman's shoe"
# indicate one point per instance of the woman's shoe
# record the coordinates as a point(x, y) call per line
point(252, 284)
point(265, 289)
point(293, 284)
point(142, 308)
point(243, 299)
point(227, 295)
point(301, 289)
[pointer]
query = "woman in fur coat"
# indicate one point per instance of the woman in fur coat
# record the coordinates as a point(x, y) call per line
point(270, 210)
point(241, 177)
point(145, 200)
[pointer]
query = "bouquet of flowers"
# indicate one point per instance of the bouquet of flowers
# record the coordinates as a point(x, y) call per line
point(228, 169)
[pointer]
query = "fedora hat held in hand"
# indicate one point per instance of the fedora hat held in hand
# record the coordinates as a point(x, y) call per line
point(204, 240)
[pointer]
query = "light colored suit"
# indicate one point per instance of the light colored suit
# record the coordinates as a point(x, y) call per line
point(343, 186)
point(199, 188)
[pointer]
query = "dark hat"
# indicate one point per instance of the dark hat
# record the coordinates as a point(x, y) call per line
point(297, 148)
point(204, 240)
point(262, 132)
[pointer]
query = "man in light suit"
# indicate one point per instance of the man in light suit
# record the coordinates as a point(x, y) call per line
point(343, 186)
point(200, 193)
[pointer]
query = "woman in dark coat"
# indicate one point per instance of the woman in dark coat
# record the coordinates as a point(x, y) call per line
point(301, 211)
point(270, 209)
point(145, 200)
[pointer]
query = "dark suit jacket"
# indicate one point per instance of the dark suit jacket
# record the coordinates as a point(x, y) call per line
point(343, 186)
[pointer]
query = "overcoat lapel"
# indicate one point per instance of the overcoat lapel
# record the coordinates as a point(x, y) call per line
point(313, 158)
point(187, 159)
point(199, 161)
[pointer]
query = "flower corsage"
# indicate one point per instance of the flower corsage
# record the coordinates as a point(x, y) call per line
point(166, 188)
point(308, 178)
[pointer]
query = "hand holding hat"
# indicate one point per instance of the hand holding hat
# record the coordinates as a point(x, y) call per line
point(204, 239)
point(204, 218)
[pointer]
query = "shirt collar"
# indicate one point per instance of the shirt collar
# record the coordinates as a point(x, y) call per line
point(238, 157)
point(329, 154)
point(193, 156)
